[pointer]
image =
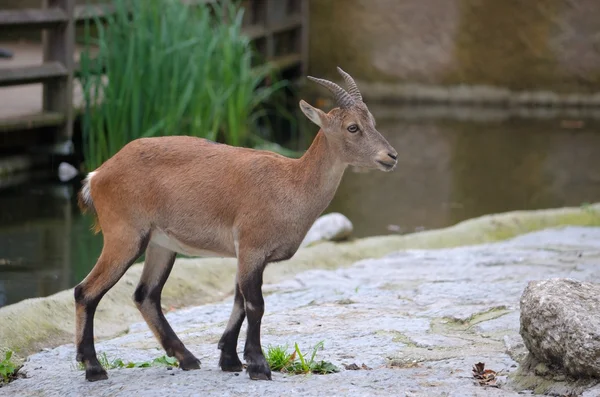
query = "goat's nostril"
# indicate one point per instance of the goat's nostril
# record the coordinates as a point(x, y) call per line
point(394, 156)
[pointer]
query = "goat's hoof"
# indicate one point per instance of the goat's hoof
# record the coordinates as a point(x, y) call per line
point(230, 363)
point(95, 373)
point(259, 371)
point(189, 363)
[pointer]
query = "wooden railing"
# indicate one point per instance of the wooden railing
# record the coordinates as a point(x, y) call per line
point(56, 72)
point(276, 27)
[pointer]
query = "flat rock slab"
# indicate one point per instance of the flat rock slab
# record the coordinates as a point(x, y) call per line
point(419, 318)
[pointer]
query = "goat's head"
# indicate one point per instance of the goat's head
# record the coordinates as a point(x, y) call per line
point(350, 127)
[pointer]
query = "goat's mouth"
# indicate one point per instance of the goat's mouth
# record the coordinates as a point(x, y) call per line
point(386, 166)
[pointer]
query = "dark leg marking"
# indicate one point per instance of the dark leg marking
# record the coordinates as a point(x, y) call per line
point(229, 360)
point(117, 256)
point(86, 352)
point(157, 268)
point(251, 287)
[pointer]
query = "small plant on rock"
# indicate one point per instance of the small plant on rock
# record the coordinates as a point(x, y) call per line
point(8, 369)
point(297, 362)
point(119, 363)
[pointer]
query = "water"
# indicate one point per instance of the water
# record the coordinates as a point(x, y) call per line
point(449, 169)
point(45, 244)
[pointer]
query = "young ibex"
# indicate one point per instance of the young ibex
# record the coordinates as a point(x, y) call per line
point(189, 195)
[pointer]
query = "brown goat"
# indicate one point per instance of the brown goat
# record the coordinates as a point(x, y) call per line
point(189, 195)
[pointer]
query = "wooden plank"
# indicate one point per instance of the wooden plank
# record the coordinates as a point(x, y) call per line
point(291, 22)
point(31, 121)
point(33, 18)
point(304, 38)
point(32, 74)
point(257, 31)
point(59, 46)
point(269, 21)
point(286, 61)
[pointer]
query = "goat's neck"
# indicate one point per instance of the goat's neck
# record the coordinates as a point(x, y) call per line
point(321, 171)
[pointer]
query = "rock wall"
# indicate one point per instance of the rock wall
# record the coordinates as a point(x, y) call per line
point(515, 44)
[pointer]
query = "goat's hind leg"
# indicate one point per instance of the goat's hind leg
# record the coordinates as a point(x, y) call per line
point(118, 254)
point(158, 265)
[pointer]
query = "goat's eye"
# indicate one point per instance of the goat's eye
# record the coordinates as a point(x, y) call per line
point(353, 128)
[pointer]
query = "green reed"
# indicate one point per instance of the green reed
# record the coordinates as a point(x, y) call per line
point(170, 69)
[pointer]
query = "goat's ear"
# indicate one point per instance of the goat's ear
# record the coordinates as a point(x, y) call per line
point(315, 115)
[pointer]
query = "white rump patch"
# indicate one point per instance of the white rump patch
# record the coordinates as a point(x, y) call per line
point(85, 190)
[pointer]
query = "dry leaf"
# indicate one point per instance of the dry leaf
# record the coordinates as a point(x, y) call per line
point(485, 377)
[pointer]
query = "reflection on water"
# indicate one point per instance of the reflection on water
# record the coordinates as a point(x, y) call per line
point(45, 244)
point(448, 171)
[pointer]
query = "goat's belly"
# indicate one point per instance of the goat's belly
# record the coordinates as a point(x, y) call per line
point(166, 241)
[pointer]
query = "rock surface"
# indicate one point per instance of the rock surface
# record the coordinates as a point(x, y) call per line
point(419, 318)
point(560, 324)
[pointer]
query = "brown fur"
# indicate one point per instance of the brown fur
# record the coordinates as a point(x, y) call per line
point(190, 195)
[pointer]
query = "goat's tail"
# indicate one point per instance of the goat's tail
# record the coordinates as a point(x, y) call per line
point(86, 203)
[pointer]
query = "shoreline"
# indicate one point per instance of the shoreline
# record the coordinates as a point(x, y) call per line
point(34, 324)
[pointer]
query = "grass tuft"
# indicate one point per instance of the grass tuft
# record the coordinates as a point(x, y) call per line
point(119, 363)
point(278, 357)
point(297, 362)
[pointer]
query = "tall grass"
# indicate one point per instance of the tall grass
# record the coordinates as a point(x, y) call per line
point(170, 69)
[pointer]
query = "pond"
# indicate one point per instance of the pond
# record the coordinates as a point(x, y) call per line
point(454, 164)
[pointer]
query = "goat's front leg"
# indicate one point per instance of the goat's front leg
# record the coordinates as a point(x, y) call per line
point(229, 360)
point(250, 278)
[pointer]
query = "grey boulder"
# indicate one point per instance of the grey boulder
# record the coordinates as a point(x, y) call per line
point(330, 227)
point(560, 325)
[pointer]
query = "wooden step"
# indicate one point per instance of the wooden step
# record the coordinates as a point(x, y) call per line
point(31, 121)
point(33, 17)
point(257, 31)
point(284, 62)
point(31, 74)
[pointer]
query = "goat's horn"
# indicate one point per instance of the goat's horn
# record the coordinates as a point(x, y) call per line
point(342, 98)
point(352, 88)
